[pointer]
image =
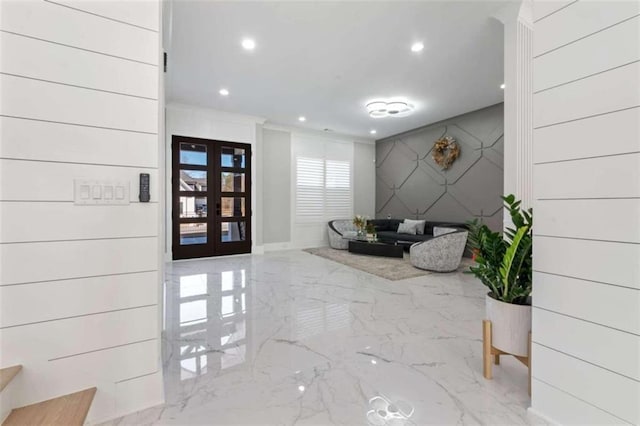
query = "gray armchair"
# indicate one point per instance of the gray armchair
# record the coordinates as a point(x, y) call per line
point(337, 230)
point(442, 253)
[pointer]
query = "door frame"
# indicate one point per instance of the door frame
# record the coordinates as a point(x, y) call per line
point(214, 246)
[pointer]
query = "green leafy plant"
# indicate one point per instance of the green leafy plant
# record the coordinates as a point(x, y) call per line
point(504, 262)
point(371, 229)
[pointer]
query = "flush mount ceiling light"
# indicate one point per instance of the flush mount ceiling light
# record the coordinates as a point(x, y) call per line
point(417, 46)
point(302, 118)
point(248, 44)
point(373, 131)
point(502, 86)
point(389, 108)
point(224, 92)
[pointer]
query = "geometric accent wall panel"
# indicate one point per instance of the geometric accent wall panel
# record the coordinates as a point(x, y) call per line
point(410, 185)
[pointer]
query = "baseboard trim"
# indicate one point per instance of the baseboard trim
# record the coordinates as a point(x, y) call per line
point(542, 418)
point(277, 246)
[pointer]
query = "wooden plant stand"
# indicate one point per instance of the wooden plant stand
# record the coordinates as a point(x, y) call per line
point(490, 353)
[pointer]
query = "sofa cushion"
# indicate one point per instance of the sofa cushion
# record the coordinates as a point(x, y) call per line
point(410, 228)
point(419, 224)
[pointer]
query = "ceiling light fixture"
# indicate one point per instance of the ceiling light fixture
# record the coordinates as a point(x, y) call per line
point(417, 46)
point(502, 86)
point(302, 118)
point(224, 92)
point(393, 108)
point(373, 131)
point(248, 44)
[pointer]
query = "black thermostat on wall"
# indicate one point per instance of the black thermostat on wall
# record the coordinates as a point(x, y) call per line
point(144, 196)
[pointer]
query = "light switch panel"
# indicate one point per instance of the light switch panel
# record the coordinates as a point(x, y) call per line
point(99, 192)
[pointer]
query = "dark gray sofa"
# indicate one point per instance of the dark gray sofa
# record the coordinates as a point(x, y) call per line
point(387, 230)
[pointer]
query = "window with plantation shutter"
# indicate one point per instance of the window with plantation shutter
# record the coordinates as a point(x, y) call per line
point(309, 189)
point(323, 190)
point(337, 189)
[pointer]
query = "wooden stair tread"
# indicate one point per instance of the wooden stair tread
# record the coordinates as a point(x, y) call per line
point(67, 410)
point(7, 374)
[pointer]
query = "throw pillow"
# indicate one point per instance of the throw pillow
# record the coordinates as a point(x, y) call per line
point(407, 228)
point(419, 225)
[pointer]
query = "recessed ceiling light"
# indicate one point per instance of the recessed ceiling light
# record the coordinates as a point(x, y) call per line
point(302, 118)
point(417, 46)
point(248, 44)
point(373, 131)
point(502, 86)
point(224, 92)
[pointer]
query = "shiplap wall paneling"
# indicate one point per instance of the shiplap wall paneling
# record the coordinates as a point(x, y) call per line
point(614, 176)
point(77, 297)
point(615, 90)
point(582, 299)
point(584, 138)
point(579, 21)
point(54, 23)
point(586, 290)
point(605, 262)
point(31, 140)
point(611, 392)
point(79, 285)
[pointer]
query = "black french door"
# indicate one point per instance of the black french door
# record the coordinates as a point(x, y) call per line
point(211, 197)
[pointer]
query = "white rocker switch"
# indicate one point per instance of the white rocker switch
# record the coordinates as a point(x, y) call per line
point(96, 192)
point(85, 192)
point(108, 192)
point(119, 192)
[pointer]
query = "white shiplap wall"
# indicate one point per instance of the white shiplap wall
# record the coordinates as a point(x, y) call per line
point(79, 285)
point(586, 317)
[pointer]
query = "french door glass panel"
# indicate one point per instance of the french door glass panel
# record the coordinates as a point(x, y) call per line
point(232, 182)
point(191, 207)
point(233, 231)
point(193, 154)
point(193, 180)
point(193, 233)
point(232, 157)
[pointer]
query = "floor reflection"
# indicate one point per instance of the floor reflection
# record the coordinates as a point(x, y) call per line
point(206, 328)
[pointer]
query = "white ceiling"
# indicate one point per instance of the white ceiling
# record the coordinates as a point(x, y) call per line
point(325, 60)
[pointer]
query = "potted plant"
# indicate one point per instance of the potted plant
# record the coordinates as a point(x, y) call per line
point(371, 232)
point(503, 263)
point(360, 222)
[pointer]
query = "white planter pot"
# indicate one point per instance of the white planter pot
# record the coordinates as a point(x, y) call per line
point(510, 326)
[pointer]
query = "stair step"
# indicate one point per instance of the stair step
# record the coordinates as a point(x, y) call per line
point(67, 410)
point(7, 374)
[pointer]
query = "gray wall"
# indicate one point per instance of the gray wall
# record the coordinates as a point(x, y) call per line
point(364, 155)
point(276, 186)
point(409, 184)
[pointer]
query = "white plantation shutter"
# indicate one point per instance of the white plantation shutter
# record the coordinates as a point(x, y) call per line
point(322, 185)
point(323, 190)
point(337, 189)
point(309, 189)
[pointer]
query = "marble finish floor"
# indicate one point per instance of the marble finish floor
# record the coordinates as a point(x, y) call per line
point(289, 338)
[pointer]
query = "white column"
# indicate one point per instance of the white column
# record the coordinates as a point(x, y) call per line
point(518, 105)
